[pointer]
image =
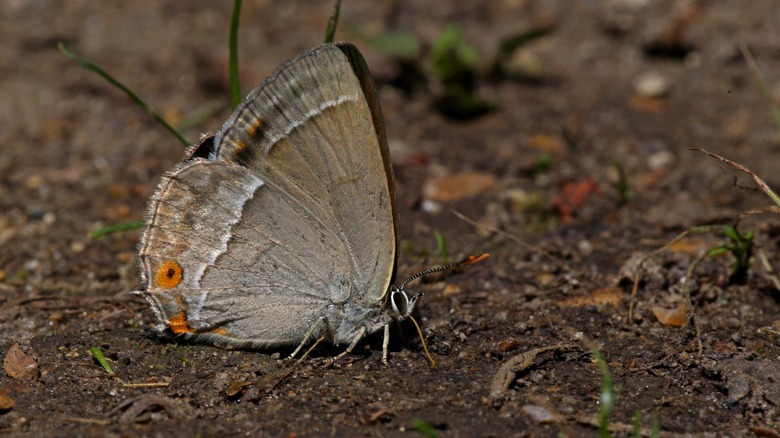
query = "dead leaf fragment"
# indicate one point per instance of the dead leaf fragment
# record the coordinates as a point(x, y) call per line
point(611, 296)
point(676, 317)
point(6, 403)
point(508, 345)
point(545, 279)
point(454, 187)
point(547, 143)
point(541, 414)
point(381, 416)
point(690, 247)
point(20, 365)
point(450, 290)
point(506, 374)
point(139, 409)
point(647, 104)
point(572, 196)
point(237, 387)
point(764, 432)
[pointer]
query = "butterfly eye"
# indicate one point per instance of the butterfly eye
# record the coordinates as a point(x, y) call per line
point(400, 302)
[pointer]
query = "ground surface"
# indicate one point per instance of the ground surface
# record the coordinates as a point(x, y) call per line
point(77, 155)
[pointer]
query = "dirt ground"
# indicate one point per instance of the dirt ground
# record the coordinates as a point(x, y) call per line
point(617, 87)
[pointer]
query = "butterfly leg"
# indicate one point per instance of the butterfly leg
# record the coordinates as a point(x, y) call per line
point(308, 336)
point(313, 346)
point(386, 344)
point(358, 336)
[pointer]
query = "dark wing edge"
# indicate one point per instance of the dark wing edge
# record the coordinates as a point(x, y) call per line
point(360, 68)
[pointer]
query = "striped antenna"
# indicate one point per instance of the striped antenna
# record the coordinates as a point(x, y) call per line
point(448, 267)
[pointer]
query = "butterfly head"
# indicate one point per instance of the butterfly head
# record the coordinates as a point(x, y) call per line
point(402, 305)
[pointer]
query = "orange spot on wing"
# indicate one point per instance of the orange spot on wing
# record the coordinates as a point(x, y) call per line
point(168, 275)
point(255, 128)
point(179, 323)
point(219, 331)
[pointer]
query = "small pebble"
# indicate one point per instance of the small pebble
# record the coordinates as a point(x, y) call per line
point(651, 84)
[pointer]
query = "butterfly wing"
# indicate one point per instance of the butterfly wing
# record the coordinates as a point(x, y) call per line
point(291, 210)
point(314, 131)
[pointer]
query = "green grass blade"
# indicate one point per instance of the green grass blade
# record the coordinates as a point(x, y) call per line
point(425, 428)
point(655, 432)
point(636, 425)
point(622, 183)
point(607, 396)
point(510, 44)
point(197, 116)
point(401, 46)
point(115, 228)
point(762, 84)
point(235, 87)
point(333, 21)
point(98, 355)
point(134, 97)
point(441, 243)
point(453, 57)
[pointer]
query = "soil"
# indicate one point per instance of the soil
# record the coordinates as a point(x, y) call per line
point(621, 87)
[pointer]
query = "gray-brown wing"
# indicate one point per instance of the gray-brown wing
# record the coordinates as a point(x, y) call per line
point(227, 259)
point(313, 133)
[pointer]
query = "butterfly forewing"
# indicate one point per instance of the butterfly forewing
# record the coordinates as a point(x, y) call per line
point(313, 132)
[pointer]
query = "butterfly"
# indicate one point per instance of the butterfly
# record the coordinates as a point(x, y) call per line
point(282, 229)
